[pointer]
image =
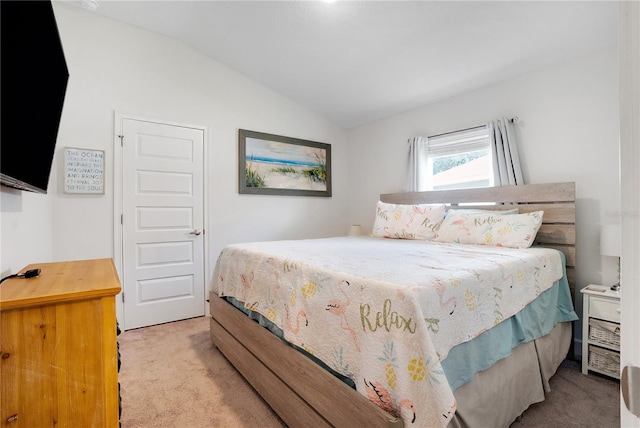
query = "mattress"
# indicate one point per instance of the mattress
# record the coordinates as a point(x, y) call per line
point(377, 341)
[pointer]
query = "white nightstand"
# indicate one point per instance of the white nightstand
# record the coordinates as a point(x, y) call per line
point(601, 330)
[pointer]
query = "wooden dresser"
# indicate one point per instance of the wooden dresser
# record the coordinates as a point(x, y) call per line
point(58, 357)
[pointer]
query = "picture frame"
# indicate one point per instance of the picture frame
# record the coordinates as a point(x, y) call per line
point(271, 164)
point(83, 171)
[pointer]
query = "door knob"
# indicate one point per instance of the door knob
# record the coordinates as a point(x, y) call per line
point(195, 232)
point(631, 388)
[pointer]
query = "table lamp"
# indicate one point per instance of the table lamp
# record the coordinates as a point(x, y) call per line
point(610, 245)
point(355, 230)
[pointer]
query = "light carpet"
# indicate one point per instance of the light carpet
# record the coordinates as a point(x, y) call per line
point(173, 376)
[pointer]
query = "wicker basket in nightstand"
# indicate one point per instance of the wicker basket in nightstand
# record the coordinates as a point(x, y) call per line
point(604, 360)
point(606, 333)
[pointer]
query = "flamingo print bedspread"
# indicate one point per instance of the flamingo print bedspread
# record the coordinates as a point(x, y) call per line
point(386, 312)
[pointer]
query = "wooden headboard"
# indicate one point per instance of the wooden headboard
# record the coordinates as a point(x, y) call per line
point(557, 200)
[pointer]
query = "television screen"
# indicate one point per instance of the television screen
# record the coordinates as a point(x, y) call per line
point(34, 79)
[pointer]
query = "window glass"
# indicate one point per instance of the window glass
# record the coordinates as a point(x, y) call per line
point(460, 160)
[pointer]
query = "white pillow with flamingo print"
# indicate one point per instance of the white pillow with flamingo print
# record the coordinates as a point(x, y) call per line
point(499, 230)
point(418, 222)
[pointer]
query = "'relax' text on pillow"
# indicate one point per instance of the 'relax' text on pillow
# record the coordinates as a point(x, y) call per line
point(419, 221)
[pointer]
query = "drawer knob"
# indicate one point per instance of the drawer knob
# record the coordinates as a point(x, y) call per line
point(6, 355)
point(11, 419)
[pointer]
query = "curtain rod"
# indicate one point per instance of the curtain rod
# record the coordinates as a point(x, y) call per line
point(512, 120)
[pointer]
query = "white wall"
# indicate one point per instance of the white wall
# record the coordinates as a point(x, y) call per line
point(115, 67)
point(25, 229)
point(567, 131)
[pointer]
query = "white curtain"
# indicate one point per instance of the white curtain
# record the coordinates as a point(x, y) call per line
point(506, 165)
point(418, 164)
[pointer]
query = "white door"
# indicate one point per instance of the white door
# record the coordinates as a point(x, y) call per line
point(162, 222)
point(629, 66)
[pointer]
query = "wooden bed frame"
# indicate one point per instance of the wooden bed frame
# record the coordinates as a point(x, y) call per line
point(304, 394)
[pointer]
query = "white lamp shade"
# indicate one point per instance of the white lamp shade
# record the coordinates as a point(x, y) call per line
point(355, 230)
point(610, 240)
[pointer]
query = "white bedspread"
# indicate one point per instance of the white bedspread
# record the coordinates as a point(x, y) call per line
point(385, 312)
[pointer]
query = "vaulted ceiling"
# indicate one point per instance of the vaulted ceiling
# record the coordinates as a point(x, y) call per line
point(358, 61)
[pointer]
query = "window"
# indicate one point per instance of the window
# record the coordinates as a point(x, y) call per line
point(460, 160)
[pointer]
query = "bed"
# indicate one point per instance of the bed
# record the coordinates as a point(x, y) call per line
point(305, 386)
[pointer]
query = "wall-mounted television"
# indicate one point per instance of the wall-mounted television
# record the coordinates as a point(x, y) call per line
point(34, 79)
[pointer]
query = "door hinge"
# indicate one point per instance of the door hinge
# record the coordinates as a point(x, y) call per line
point(121, 140)
point(121, 218)
point(123, 297)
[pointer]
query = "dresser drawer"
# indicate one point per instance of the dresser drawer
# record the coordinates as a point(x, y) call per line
point(604, 308)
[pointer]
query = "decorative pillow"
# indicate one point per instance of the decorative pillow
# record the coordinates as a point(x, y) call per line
point(515, 230)
point(408, 221)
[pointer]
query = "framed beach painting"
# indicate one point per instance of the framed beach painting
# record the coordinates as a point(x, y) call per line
point(276, 165)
